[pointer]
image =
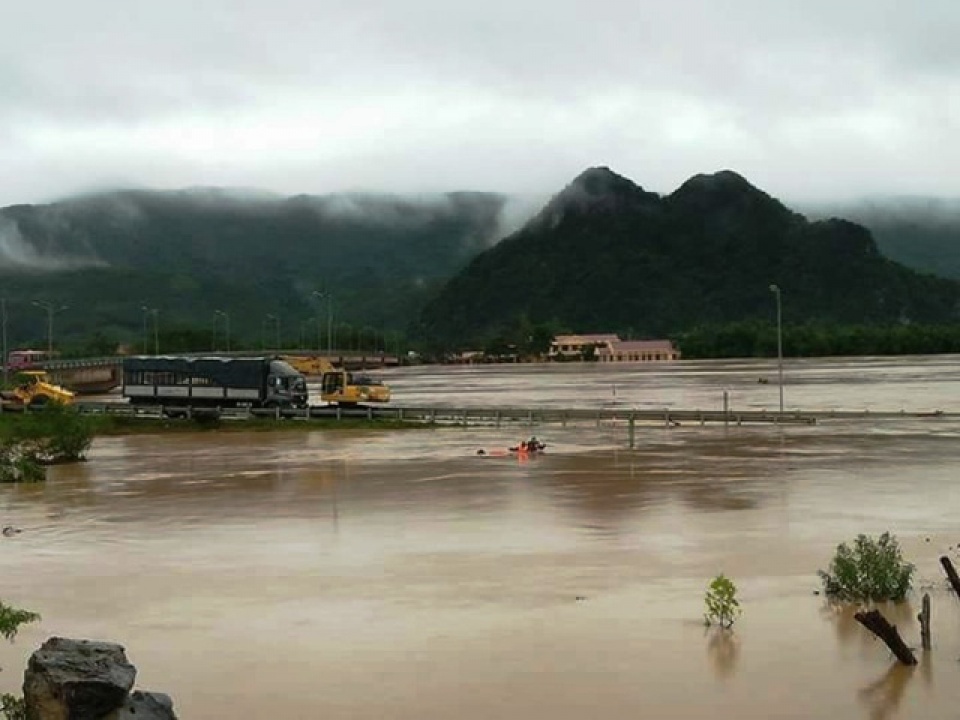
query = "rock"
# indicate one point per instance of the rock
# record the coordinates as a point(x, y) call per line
point(72, 679)
point(142, 705)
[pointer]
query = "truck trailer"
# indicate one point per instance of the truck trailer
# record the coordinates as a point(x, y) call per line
point(259, 382)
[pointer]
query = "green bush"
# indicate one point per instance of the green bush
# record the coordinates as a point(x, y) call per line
point(871, 570)
point(11, 706)
point(30, 440)
point(721, 602)
point(68, 437)
point(19, 464)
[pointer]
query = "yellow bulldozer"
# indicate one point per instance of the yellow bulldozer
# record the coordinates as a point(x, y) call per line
point(339, 386)
point(34, 389)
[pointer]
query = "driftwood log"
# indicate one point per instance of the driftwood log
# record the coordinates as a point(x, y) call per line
point(924, 618)
point(951, 573)
point(875, 622)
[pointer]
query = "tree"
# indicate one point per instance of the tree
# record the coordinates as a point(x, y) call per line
point(870, 570)
point(721, 602)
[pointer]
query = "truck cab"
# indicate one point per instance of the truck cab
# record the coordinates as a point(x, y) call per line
point(286, 387)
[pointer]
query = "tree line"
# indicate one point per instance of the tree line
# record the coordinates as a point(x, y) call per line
point(759, 339)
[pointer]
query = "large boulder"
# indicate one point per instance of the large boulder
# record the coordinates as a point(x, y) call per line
point(76, 680)
point(143, 705)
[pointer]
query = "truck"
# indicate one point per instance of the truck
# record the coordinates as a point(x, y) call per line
point(34, 389)
point(258, 382)
point(339, 386)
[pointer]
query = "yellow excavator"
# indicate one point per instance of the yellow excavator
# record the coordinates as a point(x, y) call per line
point(338, 386)
point(36, 389)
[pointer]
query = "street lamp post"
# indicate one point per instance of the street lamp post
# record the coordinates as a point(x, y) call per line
point(329, 298)
point(304, 334)
point(156, 331)
point(146, 342)
point(51, 310)
point(276, 320)
point(775, 289)
point(226, 325)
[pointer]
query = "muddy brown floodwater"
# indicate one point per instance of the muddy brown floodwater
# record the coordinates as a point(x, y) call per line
point(371, 574)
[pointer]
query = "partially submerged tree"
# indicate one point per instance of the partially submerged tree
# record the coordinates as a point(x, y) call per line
point(721, 602)
point(870, 570)
point(29, 441)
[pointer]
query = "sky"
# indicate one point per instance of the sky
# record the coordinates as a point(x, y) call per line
point(813, 100)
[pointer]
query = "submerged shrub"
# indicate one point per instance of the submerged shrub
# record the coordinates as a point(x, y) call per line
point(870, 570)
point(29, 441)
point(721, 602)
point(19, 464)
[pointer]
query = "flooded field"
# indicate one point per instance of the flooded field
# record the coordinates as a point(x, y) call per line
point(362, 574)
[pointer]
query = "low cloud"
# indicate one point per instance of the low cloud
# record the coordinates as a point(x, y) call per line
point(17, 253)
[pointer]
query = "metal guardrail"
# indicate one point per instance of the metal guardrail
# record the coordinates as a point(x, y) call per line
point(498, 415)
point(457, 416)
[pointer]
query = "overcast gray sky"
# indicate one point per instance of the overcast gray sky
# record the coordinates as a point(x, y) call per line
point(809, 100)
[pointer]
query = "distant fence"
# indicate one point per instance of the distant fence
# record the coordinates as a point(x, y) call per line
point(461, 416)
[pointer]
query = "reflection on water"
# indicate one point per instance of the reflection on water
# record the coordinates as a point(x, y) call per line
point(883, 696)
point(363, 574)
point(723, 648)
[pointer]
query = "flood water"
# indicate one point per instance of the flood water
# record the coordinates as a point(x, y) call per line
point(397, 574)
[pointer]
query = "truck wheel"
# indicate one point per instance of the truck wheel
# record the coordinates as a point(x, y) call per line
point(39, 401)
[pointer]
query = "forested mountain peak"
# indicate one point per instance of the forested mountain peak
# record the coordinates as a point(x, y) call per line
point(596, 189)
point(724, 191)
point(606, 256)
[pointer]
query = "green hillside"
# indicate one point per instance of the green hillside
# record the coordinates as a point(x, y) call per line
point(190, 253)
point(605, 255)
point(922, 233)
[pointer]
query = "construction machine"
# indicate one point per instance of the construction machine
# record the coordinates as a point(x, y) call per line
point(339, 386)
point(34, 389)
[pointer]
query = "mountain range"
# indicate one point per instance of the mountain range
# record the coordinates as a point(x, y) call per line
point(603, 254)
point(192, 253)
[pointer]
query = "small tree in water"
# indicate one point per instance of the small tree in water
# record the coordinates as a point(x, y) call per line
point(721, 602)
point(871, 570)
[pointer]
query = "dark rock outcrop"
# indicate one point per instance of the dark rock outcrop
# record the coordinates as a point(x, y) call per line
point(145, 706)
point(70, 679)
